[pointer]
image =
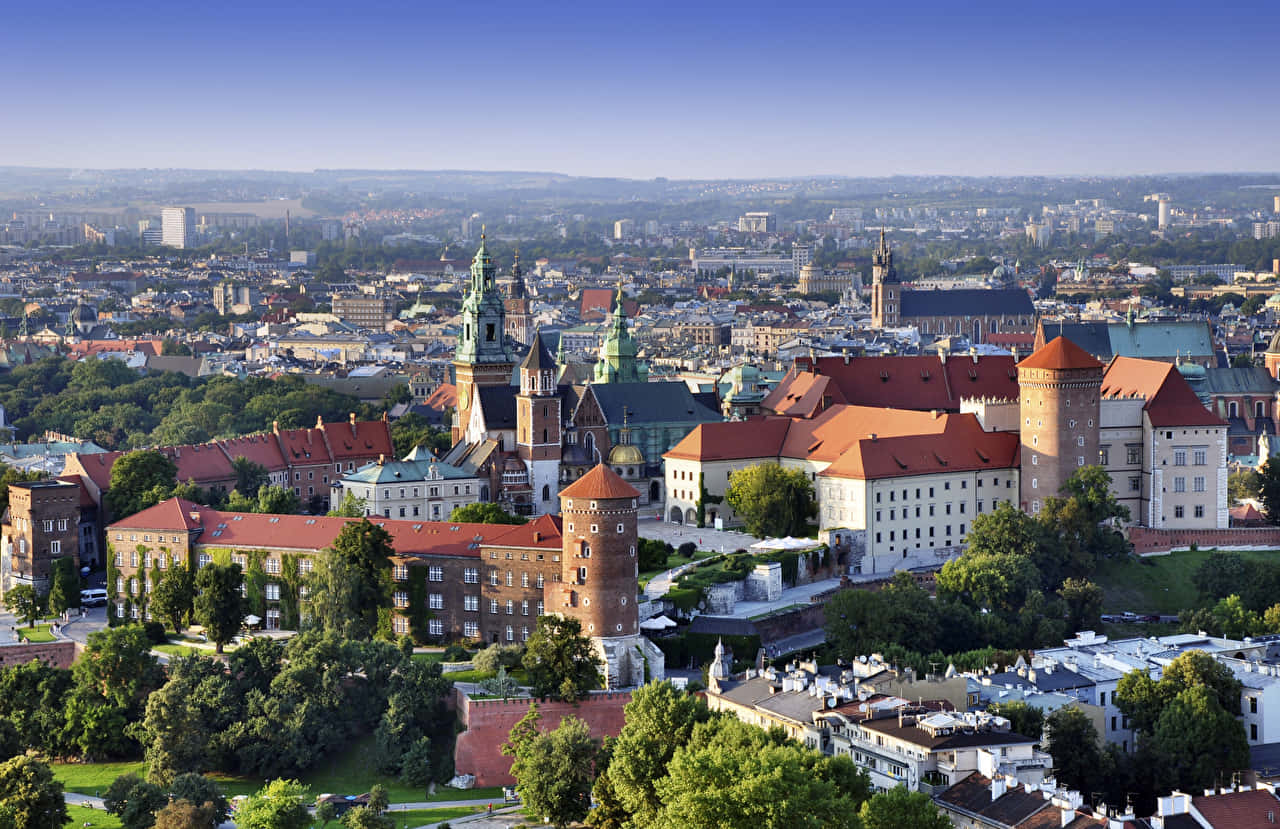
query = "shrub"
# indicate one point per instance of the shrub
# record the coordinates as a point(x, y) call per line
point(155, 633)
point(497, 655)
point(687, 549)
point(456, 653)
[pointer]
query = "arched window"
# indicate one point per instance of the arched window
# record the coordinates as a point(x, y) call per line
point(544, 435)
point(585, 550)
point(1233, 409)
point(546, 492)
point(1260, 409)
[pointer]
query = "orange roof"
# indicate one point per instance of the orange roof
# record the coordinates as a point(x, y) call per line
point(313, 533)
point(444, 397)
point(963, 447)
point(601, 482)
point(733, 440)
point(1060, 354)
point(359, 439)
point(1170, 400)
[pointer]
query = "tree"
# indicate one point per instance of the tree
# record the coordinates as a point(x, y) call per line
point(139, 480)
point(560, 661)
point(351, 583)
point(772, 501)
point(484, 513)
point(1197, 741)
point(22, 601)
point(277, 500)
point(219, 606)
point(183, 814)
point(134, 801)
point(1243, 484)
point(1221, 574)
point(497, 656)
point(326, 813)
point(201, 791)
point(64, 588)
point(250, 476)
point(350, 506)
point(1072, 741)
point(186, 721)
point(1023, 718)
point(554, 771)
point(1081, 515)
point(378, 798)
point(900, 808)
point(998, 582)
point(1269, 489)
point(173, 598)
point(364, 817)
point(281, 804)
point(29, 796)
point(1084, 604)
point(659, 719)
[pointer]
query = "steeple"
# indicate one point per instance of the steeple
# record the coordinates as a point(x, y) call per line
point(483, 337)
point(617, 362)
point(882, 269)
point(517, 279)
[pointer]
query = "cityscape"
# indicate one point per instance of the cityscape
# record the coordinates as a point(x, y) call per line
point(639, 419)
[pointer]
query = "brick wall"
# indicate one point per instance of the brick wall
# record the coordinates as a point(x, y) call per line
point(488, 723)
point(58, 654)
point(1147, 541)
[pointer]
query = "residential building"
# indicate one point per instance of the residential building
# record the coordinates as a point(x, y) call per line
point(758, 223)
point(372, 312)
point(411, 488)
point(41, 526)
point(177, 227)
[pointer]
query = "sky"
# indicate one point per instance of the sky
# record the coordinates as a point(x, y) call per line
point(638, 90)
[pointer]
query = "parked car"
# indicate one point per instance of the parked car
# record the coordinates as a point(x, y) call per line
point(93, 597)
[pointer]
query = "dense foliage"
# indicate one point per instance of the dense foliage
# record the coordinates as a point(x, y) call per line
point(772, 501)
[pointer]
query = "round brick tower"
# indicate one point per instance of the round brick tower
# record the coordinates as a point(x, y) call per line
point(1059, 387)
point(1271, 358)
point(598, 566)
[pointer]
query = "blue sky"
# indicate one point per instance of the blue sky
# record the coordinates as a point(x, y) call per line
point(684, 90)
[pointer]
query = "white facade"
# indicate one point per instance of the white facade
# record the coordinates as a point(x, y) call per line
point(177, 226)
point(431, 494)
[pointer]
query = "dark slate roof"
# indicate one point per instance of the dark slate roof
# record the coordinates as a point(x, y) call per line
point(651, 403)
point(539, 357)
point(1265, 758)
point(973, 302)
point(1060, 680)
point(1093, 337)
point(499, 406)
point(973, 794)
point(1248, 380)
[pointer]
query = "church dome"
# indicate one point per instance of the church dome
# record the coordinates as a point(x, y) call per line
point(624, 454)
point(85, 313)
point(1192, 371)
point(1274, 347)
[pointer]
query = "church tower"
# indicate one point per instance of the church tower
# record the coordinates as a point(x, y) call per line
point(519, 320)
point(1059, 388)
point(482, 357)
point(599, 575)
point(618, 362)
point(886, 291)
point(538, 425)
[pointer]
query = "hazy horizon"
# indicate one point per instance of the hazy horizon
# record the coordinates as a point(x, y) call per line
point(705, 91)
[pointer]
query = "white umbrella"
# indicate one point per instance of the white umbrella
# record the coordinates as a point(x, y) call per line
point(251, 620)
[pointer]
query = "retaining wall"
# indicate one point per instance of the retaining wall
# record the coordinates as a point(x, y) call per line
point(1147, 541)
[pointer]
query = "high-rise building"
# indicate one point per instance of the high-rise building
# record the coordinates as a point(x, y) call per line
point(801, 255)
point(1163, 214)
point(624, 229)
point(177, 226)
point(757, 223)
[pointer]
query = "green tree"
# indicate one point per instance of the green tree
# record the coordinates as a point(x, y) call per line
point(378, 798)
point(134, 801)
point(139, 480)
point(1197, 741)
point(998, 582)
point(364, 817)
point(350, 506)
point(326, 813)
point(173, 598)
point(277, 500)
point(415, 711)
point(484, 513)
point(250, 476)
point(1024, 719)
point(560, 662)
point(772, 501)
point(1269, 489)
point(281, 804)
point(554, 771)
point(203, 792)
point(1084, 604)
point(1081, 517)
point(899, 808)
point(658, 719)
point(351, 583)
point(64, 589)
point(29, 796)
point(1243, 484)
point(183, 814)
point(186, 721)
point(219, 607)
point(1072, 741)
point(1221, 574)
point(23, 602)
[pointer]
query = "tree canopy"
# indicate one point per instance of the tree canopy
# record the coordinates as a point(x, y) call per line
point(485, 512)
point(351, 583)
point(560, 662)
point(771, 500)
point(219, 605)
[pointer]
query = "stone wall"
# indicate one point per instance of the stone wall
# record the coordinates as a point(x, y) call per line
point(764, 583)
point(1147, 541)
point(59, 654)
point(488, 724)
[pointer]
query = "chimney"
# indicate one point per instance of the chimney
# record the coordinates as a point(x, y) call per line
point(382, 458)
point(275, 427)
point(319, 421)
point(997, 787)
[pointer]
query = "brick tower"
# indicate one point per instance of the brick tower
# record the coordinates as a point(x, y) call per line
point(1271, 358)
point(538, 425)
point(598, 575)
point(1058, 389)
point(482, 357)
point(886, 291)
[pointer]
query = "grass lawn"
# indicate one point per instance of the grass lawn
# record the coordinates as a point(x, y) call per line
point(172, 649)
point(39, 633)
point(421, 817)
point(84, 816)
point(93, 778)
point(1158, 584)
point(674, 561)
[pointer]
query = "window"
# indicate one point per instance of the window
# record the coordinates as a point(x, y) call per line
point(510, 578)
point(493, 578)
point(538, 582)
point(435, 601)
point(524, 633)
point(540, 611)
point(435, 573)
point(62, 524)
point(400, 625)
point(119, 559)
point(524, 607)
point(471, 575)
point(400, 572)
point(305, 565)
point(1177, 511)
point(119, 610)
point(48, 527)
point(1197, 483)
point(119, 584)
point(582, 575)
point(1180, 457)
point(524, 579)
point(1199, 510)
point(435, 627)
point(55, 547)
point(1253, 705)
point(1104, 456)
point(271, 565)
point(133, 559)
point(1200, 457)
point(511, 607)
point(511, 634)
point(205, 560)
point(1133, 455)
point(471, 603)
point(1135, 484)
point(471, 630)
point(1179, 484)
point(272, 592)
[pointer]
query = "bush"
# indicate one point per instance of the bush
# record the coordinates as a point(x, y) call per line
point(155, 632)
point(497, 655)
point(654, 553)
point(687, 549)
point(456, 653)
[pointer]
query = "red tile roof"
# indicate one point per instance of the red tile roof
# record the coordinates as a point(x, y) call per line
point(85, 348)
point(733, 440)
point(601, 482)
point(1061, 354)
point(444, 397)
point(303, 446)
point(1170, 399)
point(262, 449)
point(963, 447)
point(312, 533)
point(1238, 810)
point(921, 382)
point(359, 439)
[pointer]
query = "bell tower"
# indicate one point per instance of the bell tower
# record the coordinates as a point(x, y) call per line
point(482, 357)
point(886, 291)
point(598, 575)
point(538, 425)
